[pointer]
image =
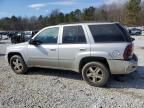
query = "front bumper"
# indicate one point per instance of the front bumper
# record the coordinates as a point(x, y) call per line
point(122, 66)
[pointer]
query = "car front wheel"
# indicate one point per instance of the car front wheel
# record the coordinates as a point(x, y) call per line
point(95, 74)
point(18, 65)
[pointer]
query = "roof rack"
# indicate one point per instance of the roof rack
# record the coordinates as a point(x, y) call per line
point(85, 22)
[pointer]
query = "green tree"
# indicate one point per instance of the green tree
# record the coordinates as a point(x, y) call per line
point(78, 14)
point(61, 17)
point(133, 10)
point(89, 14)
point(55, 17)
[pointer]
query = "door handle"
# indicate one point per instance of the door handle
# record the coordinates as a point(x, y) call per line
point(53, 49)
point(82, 49)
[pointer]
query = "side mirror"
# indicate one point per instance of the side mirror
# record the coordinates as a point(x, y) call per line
point(34, 42)
point(132, 39)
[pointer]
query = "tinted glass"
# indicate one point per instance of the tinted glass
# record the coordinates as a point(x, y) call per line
point(48, 36)
point(106, 33)
point(125, 32)
point(73, 34)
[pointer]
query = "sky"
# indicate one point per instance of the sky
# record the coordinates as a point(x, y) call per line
point(28, 8)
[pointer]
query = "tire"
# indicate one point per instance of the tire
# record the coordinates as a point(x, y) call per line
point(18, 65)
point(95, 74)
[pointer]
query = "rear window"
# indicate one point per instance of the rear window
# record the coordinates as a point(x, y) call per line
point(107, 33)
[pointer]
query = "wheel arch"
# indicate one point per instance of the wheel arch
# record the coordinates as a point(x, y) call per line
point(85, 60)
point(12, 54)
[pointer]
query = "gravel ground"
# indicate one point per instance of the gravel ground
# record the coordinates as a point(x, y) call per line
point(43, 88)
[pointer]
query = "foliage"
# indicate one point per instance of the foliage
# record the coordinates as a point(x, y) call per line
point(130, 13)
point(133, 10)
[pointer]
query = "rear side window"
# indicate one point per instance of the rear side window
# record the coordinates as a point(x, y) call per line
point(125, 32)
point(106, 33)
point(73, 34)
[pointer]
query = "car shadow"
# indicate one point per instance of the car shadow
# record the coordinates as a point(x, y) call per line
point(55, 72)
point(133, 80)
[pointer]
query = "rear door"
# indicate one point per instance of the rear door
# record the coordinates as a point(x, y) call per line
point(74, 43)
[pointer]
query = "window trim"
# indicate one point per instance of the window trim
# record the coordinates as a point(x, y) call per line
point(49, 28)
point(62, 31)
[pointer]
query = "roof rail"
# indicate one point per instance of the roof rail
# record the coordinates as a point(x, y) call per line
point(84, 22)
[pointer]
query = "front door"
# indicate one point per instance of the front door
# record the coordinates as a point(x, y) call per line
point(45, 54)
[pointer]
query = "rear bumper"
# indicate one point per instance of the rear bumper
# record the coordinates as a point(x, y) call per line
point(122, 66)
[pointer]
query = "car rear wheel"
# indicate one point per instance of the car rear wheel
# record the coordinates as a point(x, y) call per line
point(95, 74)
point(18, 65)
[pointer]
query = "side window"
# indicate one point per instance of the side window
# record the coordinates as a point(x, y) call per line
point(106, 33)
point(73, 34)
point(48, 36)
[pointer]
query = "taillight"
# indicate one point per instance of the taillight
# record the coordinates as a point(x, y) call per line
point(128, 52)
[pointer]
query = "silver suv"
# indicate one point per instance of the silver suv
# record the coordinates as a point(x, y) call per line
point(96, 50)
